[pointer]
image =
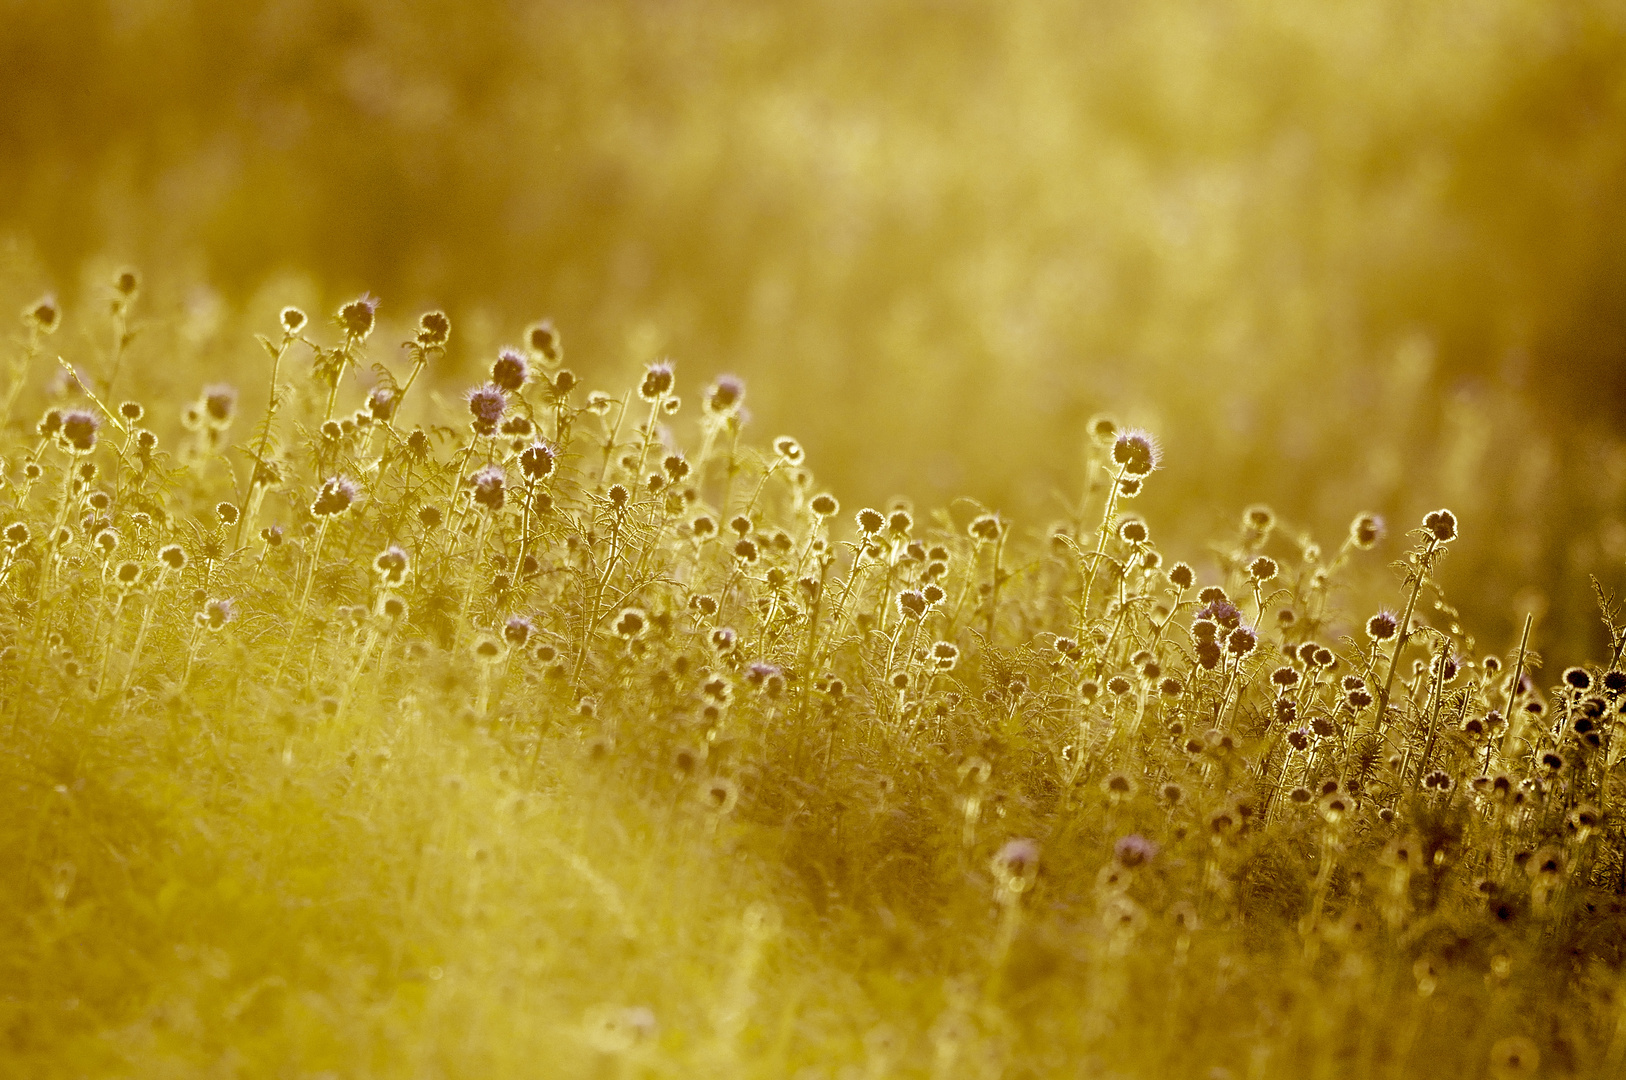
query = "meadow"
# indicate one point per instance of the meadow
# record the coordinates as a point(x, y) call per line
point(841, 540)
point(354, 730)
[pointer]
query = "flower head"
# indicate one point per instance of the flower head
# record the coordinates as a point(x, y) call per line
point(78, 430)
point(510, 370)
point(537, 460)
point(356, 317)
point(1136, 452)
point(725, 395)
point(1134, 849)
point(1442, 525)
point(336, 496)
point(217, 613)
point(543, 341)
point(434, 328)
point(487, 404)
point(657, 381)
point(43, 315)
point(490, 484)
point(219, 403)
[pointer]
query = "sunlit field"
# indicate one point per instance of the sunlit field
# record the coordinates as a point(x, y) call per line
point(822, 542)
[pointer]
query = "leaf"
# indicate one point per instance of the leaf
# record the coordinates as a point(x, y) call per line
point(270, 349)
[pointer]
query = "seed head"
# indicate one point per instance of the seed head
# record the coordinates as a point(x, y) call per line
point(1136, 452)
point(1383, 626)
point(657, 381)
point(986, 528)
point(356, 317)
point(434, 329)
point(870, 521)
point(1262, 569)
point(544, 342)
point(536, 461)
point(1442, 524)
point(1258, 521)
point(172, 556)
point(1365, 531)
point(392, 565)
point(43, 315)
point(1133, 531)
point(219, 404)
point(788, 449)
point(825, 505)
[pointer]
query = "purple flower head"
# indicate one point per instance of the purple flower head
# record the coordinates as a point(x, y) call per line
point(758, 672)
point(1223, 612)
point(217, 613)
point(337, 496)
point(1134, 849)
point(511, 369)
point(381, 403)
point(1383, 626)
point(79, 428)
point(725, 395)
point(1242, 641)
point(487, 404)
point(1016, 864)
point(517, 630)
point(489, 486)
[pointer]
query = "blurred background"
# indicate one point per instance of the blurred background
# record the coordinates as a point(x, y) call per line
point(1338, 256)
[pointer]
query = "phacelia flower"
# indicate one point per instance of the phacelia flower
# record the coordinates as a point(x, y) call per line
point(487, 404)
point(510, 370)
point(1136, 452)
point(336, 496)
